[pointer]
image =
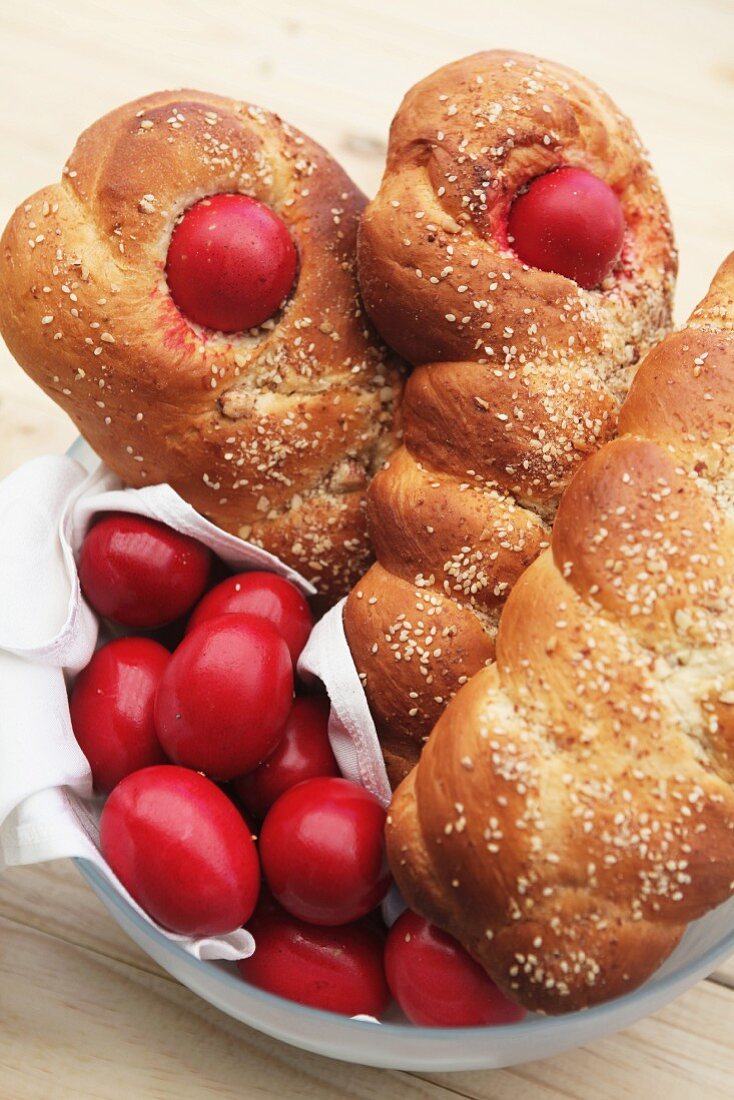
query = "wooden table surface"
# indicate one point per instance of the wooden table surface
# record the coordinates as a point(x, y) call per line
point(83, 1013)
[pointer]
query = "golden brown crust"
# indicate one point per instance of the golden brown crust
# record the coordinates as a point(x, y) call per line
point(274, 433)
point(573, 809)
point(436, 639)
point(520, 372)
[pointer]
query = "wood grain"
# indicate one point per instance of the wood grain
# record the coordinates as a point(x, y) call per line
point(105, 1012)
point(84, 1012)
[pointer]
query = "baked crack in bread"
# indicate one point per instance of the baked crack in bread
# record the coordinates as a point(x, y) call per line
point(519, 371)
point(573, 809)
point(273, 432)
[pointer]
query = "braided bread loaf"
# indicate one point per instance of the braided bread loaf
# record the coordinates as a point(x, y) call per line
point(272, 433)
point(573, 809)
point(519, 375)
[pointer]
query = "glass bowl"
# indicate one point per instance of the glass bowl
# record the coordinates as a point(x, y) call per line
point(399, 1045)
point(705, 945)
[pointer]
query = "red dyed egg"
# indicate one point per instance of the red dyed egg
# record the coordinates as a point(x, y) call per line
point(231, 262)
point(304, 752)
point(182, 850)
point(335, 969)
point(265, 594)
point(571, 222)
point(323, 851)
point(437, 983)
point(224, 699)
point(111, 708)
point(141, 573)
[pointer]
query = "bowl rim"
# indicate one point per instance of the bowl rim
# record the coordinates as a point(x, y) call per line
point(652, 993)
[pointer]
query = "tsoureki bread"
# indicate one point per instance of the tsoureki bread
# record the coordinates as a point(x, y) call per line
point(272, 433)
point(519, 371)
point(573, 809)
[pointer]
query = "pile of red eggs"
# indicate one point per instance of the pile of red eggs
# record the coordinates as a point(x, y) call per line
point(198, 731)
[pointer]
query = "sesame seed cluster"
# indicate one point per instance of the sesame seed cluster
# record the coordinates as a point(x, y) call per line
point(271, 433)
point(519, 373)
point(573, 809)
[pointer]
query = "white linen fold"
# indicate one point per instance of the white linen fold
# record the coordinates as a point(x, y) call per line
point(47, 634)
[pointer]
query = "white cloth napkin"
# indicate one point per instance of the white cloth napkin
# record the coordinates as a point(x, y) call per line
point(351, 730)
point(48, 633)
